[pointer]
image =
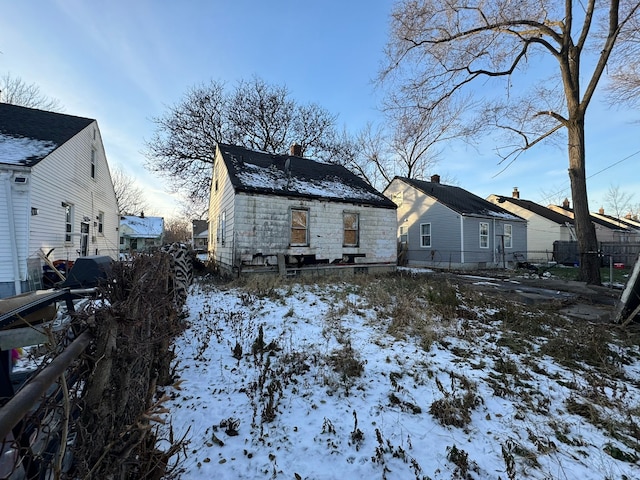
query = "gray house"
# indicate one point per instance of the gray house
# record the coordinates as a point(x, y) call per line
point(443, 226)
point(545, 226)
point(286, 213)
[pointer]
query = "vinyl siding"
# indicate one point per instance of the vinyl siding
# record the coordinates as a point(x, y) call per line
point(65, 176)
point(448, 247)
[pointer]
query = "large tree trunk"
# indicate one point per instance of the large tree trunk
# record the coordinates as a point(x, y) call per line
point(585, 231)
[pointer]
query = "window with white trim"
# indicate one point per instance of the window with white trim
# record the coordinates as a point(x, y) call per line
point(100, 223)
point(404, 236)
point(484, 235)
point(425, 235)
point(299, 226)
point(508, 236)
point(93, 163)
point(68, 221)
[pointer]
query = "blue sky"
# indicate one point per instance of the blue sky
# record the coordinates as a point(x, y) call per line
point(123, 62)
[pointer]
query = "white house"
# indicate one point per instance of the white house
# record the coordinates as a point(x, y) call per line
point(140, 234)
point(56, 194)
point(287, 213)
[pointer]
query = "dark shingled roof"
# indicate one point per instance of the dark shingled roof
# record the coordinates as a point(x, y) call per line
point(601, 221)
point(537, 209)
point(22, 122)
point(459, 199)
point(290, 176)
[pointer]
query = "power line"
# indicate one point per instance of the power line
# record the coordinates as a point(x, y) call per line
point(594, 174)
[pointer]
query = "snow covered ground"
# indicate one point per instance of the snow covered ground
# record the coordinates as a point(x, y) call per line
point(353, 380)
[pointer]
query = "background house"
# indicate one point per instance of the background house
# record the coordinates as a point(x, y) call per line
point(448, 227)
point(200, 235)
point(56, 194)
point(140, 234)
point(277, 212)
point(545, 226)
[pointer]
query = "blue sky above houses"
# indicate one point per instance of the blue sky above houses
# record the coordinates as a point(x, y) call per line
point(124, 63)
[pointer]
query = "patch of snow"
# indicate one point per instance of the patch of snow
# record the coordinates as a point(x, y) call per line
point(17, 150)
point(378, 425)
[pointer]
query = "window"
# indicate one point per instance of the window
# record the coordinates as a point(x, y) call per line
point(299, 226)
point(508, 236)
point(222, 226)
point(484, 235)
point(425, 235)
point(351, 229)
point(404, 237)
point(68, 221)
point(93, 163)
point(101, 223)
point(121, 240)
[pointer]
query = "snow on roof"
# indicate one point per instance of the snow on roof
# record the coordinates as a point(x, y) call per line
point(143, 227)
point(273, 178)
point(288, 175)
point(19, 150)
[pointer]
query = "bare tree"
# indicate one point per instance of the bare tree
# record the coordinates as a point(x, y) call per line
point(625, 67)
point(255, 115)
point(177, 230)
point(442, 47)
point(617, 201)
point(130, 196)
point(15, 91)
point(420, 128)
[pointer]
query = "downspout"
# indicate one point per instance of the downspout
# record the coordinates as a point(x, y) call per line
point(495, 234)
point(12, 233)
point(461, 239)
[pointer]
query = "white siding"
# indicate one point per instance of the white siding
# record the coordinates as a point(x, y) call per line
point(258, 228)
point(65, 176)
point(15, 197)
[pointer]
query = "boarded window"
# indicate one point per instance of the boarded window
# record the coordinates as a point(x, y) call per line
point(484, 235)
point(351, 227)
point(299, 226)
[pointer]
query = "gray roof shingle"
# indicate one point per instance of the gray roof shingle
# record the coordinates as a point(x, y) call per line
point(31, 124)
point(286, 175)
point(459, 199)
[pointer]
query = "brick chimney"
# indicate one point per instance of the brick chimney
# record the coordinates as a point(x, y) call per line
point(565, 203)
point(516, 193)
point(296, 150)
point(601, 211)
point(435, 178)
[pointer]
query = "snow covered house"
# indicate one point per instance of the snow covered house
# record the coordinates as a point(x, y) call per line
point(289, 214)
point(56, 196)
point(443, 226)
point(140, 234)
